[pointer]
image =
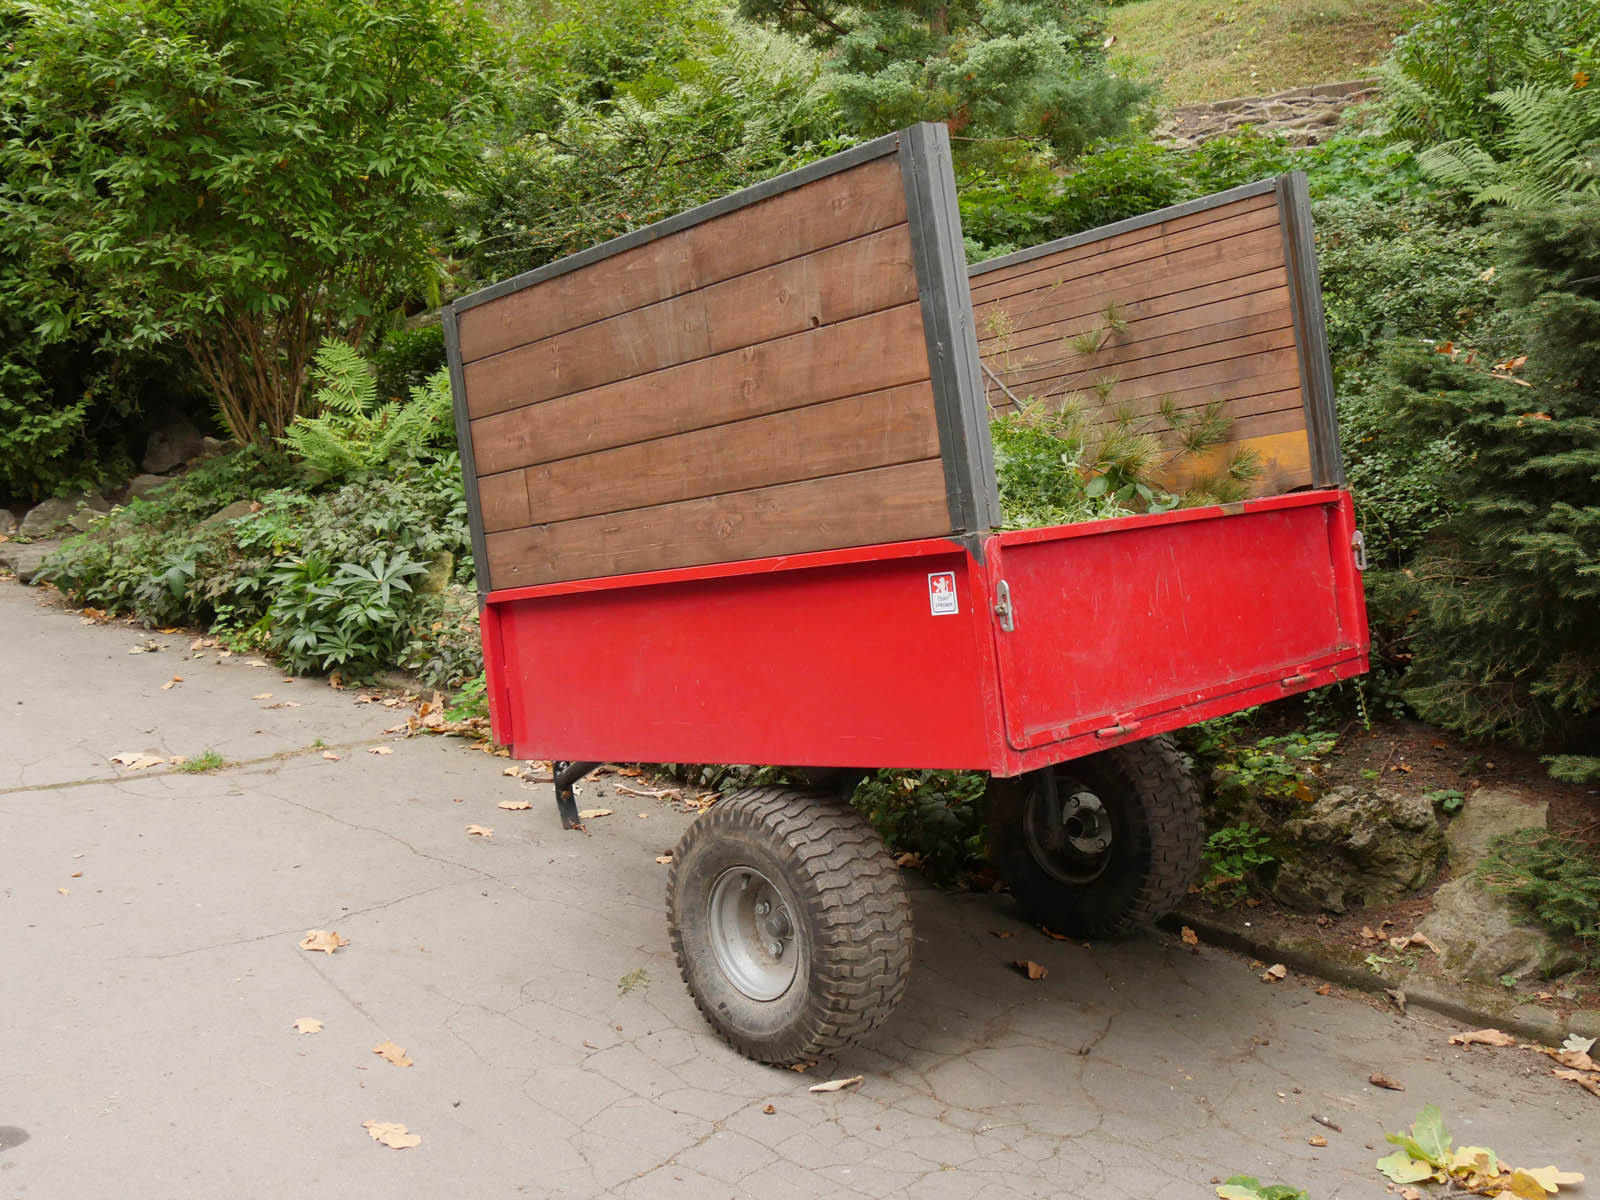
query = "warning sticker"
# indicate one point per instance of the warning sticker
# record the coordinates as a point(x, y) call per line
point(942, 593)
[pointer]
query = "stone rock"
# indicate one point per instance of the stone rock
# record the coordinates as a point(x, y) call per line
point(172, 445)
point(439, 574)
point(1488, 813)
point(141, 486)
point(210, 446)
point(1355, 849)
point(239, 508)
point(8, 522)
point(25, 558)
point(1482, 936)
point(59, 513)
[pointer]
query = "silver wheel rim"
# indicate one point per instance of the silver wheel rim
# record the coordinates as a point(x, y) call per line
point(752, 933)
point(1068, 835)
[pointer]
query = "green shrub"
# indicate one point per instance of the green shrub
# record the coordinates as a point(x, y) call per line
point(407, 359)
point(1556, 879)
point(936, 815)
point(1231, 857)
point(350, 616)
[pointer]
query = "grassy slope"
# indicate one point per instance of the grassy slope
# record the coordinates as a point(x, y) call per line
point(1218, 49)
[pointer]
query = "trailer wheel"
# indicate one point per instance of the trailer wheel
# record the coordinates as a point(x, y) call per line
point(790, 923)
point(1099, 845)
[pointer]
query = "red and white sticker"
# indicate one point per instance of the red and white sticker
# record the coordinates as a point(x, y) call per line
point(942, 594)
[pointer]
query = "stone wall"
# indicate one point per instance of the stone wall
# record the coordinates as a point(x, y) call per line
point(1305, 116)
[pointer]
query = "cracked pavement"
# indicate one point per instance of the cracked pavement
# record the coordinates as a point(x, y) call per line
point(147, 1011)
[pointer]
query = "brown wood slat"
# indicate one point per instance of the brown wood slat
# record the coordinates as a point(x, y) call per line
point(849, 280)
point(893, 503)
point(1204, 354)
point(1212, 325)
point(1246, 397)
point(1285, 460)
point(835, 438)
point(867, 354)
point(1098, 258)
point(1196, 286)
point(1143, 334)
point(789, 225)
point(1017, 275)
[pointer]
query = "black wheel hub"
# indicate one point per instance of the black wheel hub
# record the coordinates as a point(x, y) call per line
point(1068, 830)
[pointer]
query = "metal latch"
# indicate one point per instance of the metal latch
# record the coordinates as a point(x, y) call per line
point(1002, 607)
point(1358, 543)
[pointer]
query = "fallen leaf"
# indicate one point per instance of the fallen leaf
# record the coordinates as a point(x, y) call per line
point(1371, 934)
point(1325, 990)
point(1378, 1079)
point(392, 1134)
point(1189, 936)
point(172, 683)
point(135, 761)
point(590, 813)
point(307, 1025)
point(511, 771)
point(1482, 1037)
point(393, 1053)
point(325, 940)
point(1550, 1178)
point(1576, 1059)
point(262, 696)
point(1397, 997)
point(1410, 1193)
point(663, 858)
point(1052, 935)
point(769, 1110)
point(1416, 939)
point(1581, 1044)
point(77, 875)
point(1004, 933)
point(514, 805)
point(1031, 969)
point(197, 644)
point(630, 772)
point(255, 662)
point(837, 1085)
point(482, 831)
point(799, 1066)
point(1588, 1083)
point(1276, 973)
point(330, 756)
point(909, 859)
point(64, 891)
point(1317, 1139)
point(391, 702)
point(380, 750)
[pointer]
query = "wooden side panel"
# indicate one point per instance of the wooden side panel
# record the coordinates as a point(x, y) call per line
point(1183, 314)
point(754, 384)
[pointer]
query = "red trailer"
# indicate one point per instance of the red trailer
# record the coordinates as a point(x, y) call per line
point(733, 501)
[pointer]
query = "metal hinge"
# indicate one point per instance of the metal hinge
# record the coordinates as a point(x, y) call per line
point(1358, 543)
point(1002, 607)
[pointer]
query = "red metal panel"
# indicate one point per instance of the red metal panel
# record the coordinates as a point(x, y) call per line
point(1128, 627)
point(831, 659)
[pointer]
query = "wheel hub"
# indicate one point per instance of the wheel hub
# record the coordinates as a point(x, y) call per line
point(1068, 831)
point(752, 933)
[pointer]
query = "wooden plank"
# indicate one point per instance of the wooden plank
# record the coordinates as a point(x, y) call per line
point(867, 354)
point(834, 438)
point(1285, 461)
point(844, 281)
point(504, 500)
point(1245, 397)
point(1220, 280)
point(887, 504)
point(1052, 377)
point(1143, 334)
point(1021, 276)
point(791, 224)
point(1117, 253)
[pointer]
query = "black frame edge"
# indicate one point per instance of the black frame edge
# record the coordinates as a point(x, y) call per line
point(968, 455)
point(777, 185)
point(1310, 328)
point(469, 465)
point(1170, 213)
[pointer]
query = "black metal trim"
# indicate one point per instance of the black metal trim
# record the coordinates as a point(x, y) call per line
point(565, 775)
point(1170, 213)
point(469, 466)
point(965, 449)
point(810, 173)
point(1310, 329)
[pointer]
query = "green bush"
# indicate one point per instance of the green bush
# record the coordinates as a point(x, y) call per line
point(407, 359)
point(1556, 879)
point(936, 815)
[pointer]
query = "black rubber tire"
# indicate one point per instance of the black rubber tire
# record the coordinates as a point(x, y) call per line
point(851, 914)
point(1153, 806)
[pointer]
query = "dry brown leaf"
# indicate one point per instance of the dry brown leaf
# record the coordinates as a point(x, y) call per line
point(307, 1025)
point(1005, 933)
point(909, 858)
point(482, 831)
point(172, 683)
point(64, 891)
point(1189, 936)
point(1589, 1083)
point(1031, 969)
point(589, 814)
point(1416, 939)
point(1276, 973)
point(326, 940)
point(380, 750)
point(511, 771)
point(630, 772)
point(1317, 1139)
point(77, 875)
point(1053, 935)
point(135, 761)
point(393, 1053)
point(392, 1134)
point(262, 696)
point(1576, 1059)
point(330, 756)
point(1410, 1193)
point(514, 805)
point(799, 1066)
point(1379, 1079)
point(1482, 1037)
point(769, 1110)
point(255, 662)
point(837, 1085)
point(663, 859)
point(1325, 990)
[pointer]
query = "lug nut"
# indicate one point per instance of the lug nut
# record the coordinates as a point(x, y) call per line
point(776, 949)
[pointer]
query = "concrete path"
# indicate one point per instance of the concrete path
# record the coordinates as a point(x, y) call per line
point(150, 972)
